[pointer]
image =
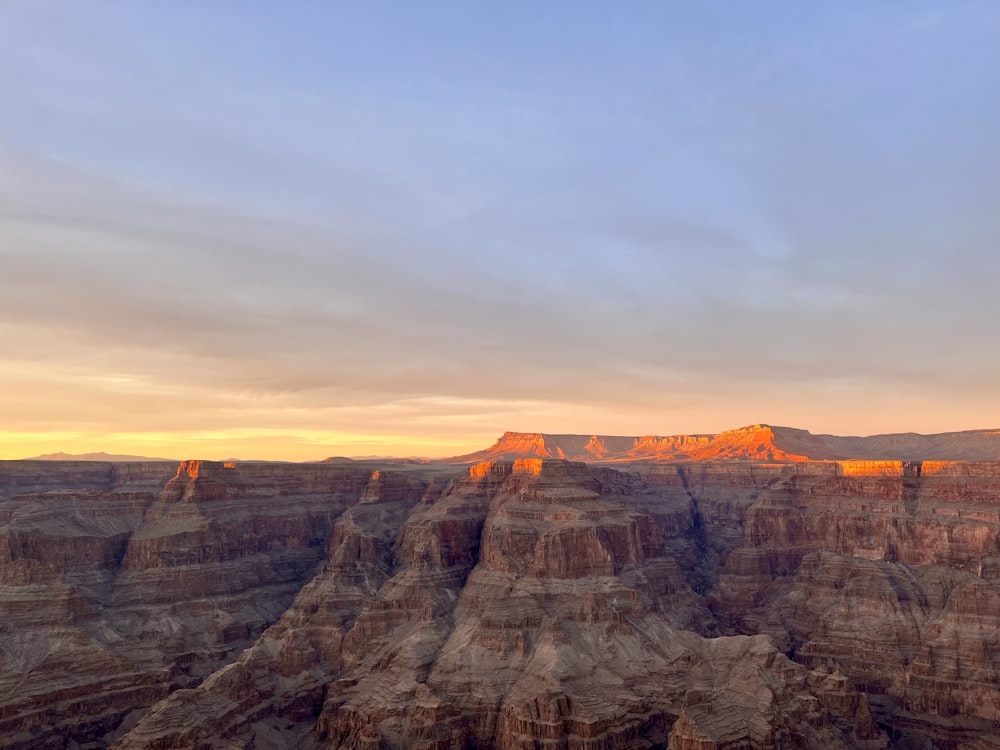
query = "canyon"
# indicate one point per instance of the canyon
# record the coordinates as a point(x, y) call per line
point(761, 588)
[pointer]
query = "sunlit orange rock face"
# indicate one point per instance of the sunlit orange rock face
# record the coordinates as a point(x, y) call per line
point(757, 443)
point(523, 603)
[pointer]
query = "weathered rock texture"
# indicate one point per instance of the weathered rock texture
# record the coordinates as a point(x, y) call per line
point(510, 604)
point(759, 442)
point(120, 583)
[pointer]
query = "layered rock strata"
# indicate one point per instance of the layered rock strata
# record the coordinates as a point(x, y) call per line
point(534, 604)
point(113, 596)
point(511, 604)
point(758, 442)
point(889, 572)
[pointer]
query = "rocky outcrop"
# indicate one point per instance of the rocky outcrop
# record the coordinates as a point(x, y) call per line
point(23, 477)
point(759, 442)
point(754, 443)
point(885, 571)
point(114, 596)
point(533, 603)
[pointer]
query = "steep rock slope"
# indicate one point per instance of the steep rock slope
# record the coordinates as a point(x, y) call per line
point(508, 604)
point(119, 584)
point(535, 604)
point(890, 572)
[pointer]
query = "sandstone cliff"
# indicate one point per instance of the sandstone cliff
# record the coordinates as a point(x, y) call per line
point(122, 582)
point(758, 442)
point(509, 604)
point(533, 604)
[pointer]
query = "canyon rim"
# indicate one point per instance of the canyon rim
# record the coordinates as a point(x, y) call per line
point(759, 588)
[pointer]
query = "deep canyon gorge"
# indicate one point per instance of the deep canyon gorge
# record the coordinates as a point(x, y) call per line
point(761, 588)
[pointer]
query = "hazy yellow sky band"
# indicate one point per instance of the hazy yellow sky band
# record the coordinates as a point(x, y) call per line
point(368, 228)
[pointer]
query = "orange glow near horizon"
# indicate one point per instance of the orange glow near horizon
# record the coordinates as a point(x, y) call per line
point(287, 445)
point(55, 413)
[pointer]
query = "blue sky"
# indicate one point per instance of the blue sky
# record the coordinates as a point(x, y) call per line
point(327, 227)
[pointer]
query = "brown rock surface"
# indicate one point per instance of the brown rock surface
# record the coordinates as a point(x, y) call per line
point(112, 596)
point(885, 571)
point(533, 604)
point(510, 604)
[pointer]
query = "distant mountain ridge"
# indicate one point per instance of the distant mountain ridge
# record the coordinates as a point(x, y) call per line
point(753, 443)
point(100, 456)
point(758, 442)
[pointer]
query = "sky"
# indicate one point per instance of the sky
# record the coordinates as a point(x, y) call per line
point(295, 230)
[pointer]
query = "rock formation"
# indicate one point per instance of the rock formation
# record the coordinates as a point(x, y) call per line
point(119, 585)
point(759, 442)
point(527, 603)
